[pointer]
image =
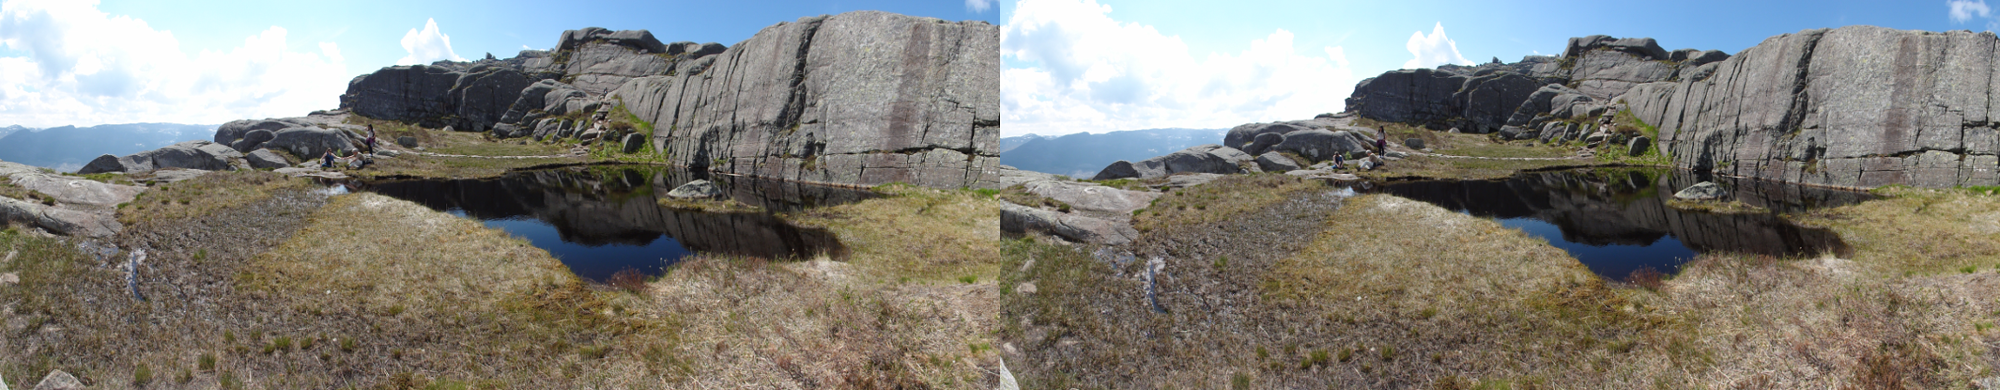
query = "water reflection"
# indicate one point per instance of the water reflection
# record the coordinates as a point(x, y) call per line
point(600, 219)
point(1616, 220)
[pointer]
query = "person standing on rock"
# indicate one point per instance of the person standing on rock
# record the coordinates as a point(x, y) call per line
point(369, 144)
point(1381, 141)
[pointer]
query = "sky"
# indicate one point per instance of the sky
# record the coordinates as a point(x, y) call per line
point(1104, 65)
point(89, 62)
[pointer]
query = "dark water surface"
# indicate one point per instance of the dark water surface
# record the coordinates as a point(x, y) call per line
point(1616, 220)
point(602, 219)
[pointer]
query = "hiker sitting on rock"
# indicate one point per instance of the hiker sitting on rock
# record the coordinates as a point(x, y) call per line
point(1340, 161)
point(326, 160)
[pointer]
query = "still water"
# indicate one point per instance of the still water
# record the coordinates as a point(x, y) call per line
point(1616, 221)
point(602, 219)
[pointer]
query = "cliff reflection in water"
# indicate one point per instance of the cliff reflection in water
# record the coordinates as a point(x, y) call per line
point(1616, 221)
point(600, 220)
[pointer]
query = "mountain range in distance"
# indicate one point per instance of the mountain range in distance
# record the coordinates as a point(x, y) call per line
point(68, 148)
point(1081, 155)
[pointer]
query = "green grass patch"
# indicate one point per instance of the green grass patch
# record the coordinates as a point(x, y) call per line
point(206, 194)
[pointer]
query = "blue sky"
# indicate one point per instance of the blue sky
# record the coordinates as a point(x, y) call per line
point(1103, 65)
point(70, 62)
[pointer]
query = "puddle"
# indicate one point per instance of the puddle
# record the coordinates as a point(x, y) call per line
point(1616, 221)
point(600, 220)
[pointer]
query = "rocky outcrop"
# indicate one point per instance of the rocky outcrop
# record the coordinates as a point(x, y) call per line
point(74, 206)
point(202, 155)
point(1856, 106)
point(1019, 219)
point(856, 98)
point(312, 142)
point(1520, 98)
point(861, 97)
point(1200, 159)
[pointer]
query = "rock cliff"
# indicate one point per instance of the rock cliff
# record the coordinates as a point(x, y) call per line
point(1857, 106)
point(862, 97)
point(857, 98)
point(1519, 99)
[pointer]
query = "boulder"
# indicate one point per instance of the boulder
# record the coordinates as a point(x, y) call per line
point(203, 155)
point(1702, 191)
point(1637, 146)
point(1092, 196)
point(311, 142)
point(1262, 142)
point(1414, 143)
point(252, 140)
point(59, 380)
point(1209, 158)
point(1246, 136)
point(633, 143)
point(1409, 95)
point(1276, 162)
point(1320, 145)
point(1517, 132)
point(407, 141)
point(228, 133)
point(266, 159)
point(696, 189)
point(1018, 219)
point(110, 163)
point(1120, 169)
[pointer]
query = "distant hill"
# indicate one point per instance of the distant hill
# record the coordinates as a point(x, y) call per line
point(1006, 143)
point(1081, 155)
point(67, 148)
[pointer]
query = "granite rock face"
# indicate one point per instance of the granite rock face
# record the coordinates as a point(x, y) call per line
point(1200, 159)
point(1519, 98)
point(856, 98)
point(1857, 106)
point(201, 155)
point(861, 97)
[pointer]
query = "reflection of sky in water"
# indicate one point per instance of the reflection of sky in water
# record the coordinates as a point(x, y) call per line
point(1614, 260)
point(650, 259)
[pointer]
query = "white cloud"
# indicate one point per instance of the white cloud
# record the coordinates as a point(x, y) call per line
point(1433, 50)
point(1965, 10)
point(427, 46)
point(1094, 73)
point(978, 6)
point(84, 67)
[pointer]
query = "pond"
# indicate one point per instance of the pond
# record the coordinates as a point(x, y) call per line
point(600, 220)
point(1617, 222)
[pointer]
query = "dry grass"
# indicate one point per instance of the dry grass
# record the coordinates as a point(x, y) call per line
point(205, 194)
point(1395, 293)
point(917, 233)
point(366, 291)
point(891, 316)
point(1918, 230)
point(410, 165)
point(1427, 167)
point(1223, 198)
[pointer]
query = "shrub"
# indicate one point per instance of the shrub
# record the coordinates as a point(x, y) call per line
point(628, 279)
